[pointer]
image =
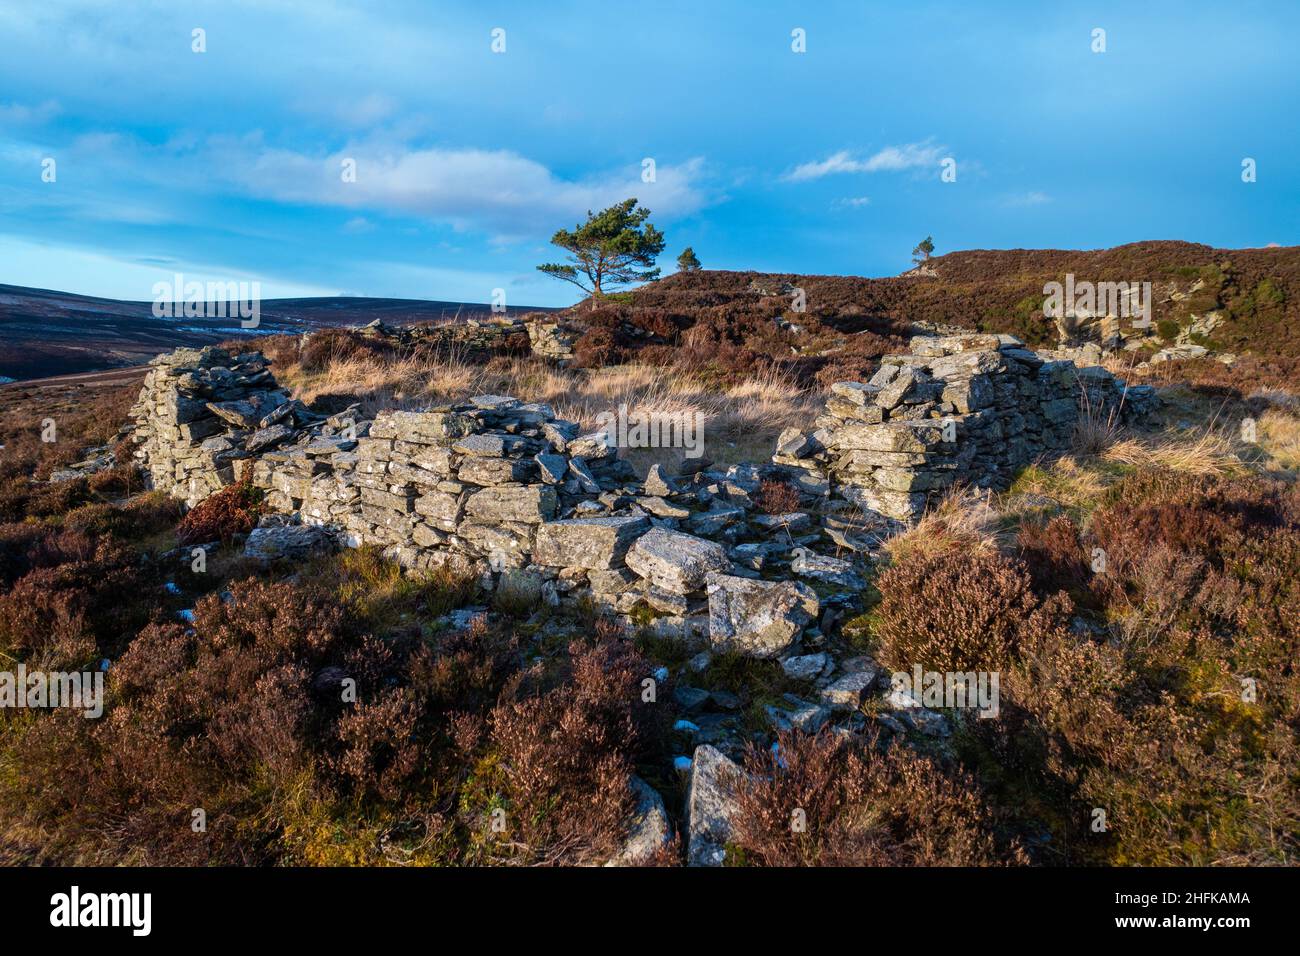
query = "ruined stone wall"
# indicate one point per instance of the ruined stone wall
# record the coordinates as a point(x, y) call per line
point(468, 483)
point(502, 489)
point(969, 409)
point(204, 413)
point(534, 331)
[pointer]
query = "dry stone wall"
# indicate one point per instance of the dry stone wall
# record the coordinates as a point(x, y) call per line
point(203, 414)
point(533, 331)
point(466, 484)
point(965, 409)
point(503, 489)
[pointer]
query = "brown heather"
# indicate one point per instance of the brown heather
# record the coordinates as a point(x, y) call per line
point(949, 611)
point(558, 761)
point(221, 516)
point(776, 497)
point(863, 804)
point(242, 714)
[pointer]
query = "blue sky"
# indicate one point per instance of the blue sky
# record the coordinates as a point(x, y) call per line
point(227, 164)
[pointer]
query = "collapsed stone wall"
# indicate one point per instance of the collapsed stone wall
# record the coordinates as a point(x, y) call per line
point(499, 488)
point(964, 409)
point(533, 331)
point(505, 490)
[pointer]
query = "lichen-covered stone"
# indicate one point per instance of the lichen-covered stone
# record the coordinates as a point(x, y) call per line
point(758, 618)
point(594, 543)
point(674, 561)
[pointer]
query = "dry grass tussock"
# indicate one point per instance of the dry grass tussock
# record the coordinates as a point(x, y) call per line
point(740, 421)
point(1104, 452)
point(963, 517)
point(1279, 437)
point(1224, 443)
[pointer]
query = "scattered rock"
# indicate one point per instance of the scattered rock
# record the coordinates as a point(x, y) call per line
point(710, 806)
point(757, 618)
point(806, 667)
point(846, 693)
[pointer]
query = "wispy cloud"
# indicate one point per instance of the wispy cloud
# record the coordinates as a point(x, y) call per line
point(22, 113)
point(891, 159)
point(1033, 198)
point(853, 202)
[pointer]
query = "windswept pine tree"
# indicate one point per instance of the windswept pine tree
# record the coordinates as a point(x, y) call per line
point(615, 246)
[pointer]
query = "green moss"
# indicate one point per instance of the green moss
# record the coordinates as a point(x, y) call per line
point(747, 677)
point(643, 615)
point(1168, 329)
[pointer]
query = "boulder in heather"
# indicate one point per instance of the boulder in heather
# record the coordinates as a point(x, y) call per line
point(755, 617)
point(710, 806)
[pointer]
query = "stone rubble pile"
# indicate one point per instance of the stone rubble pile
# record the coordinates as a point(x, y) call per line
point(97, 459)
point(969, 409)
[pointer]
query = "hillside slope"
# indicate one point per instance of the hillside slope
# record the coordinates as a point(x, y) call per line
point(44, 333)
point(1254, 295)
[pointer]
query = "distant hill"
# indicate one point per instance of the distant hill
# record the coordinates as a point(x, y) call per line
point(1255, 291)
point(44, 333)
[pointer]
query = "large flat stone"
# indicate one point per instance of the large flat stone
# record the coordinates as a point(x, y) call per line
point(592, 543)
point(422, 428)
point(755, 617)
point(527, 503)
point(674, 561)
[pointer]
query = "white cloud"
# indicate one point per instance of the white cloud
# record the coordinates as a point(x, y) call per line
point(494, 189)
point(891, 159)
point(71, 268)
point(1033, 198)
point(854, 201)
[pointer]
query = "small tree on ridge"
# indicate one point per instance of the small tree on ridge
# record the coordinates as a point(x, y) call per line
point(921, 254)
point(613, 247)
